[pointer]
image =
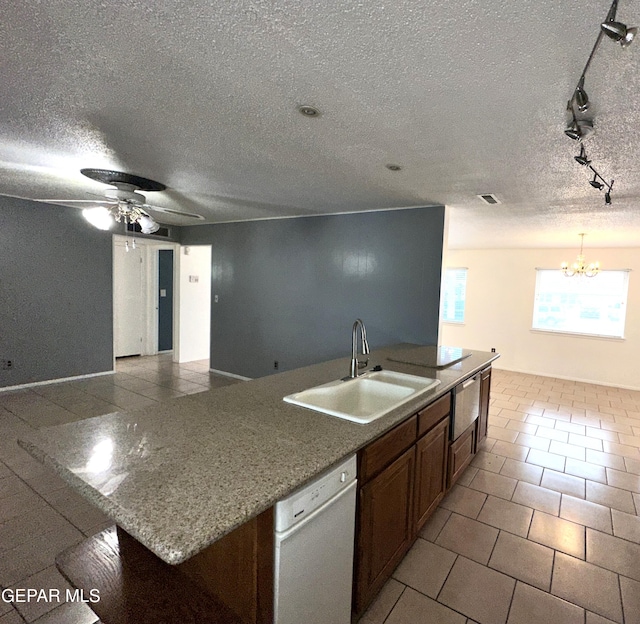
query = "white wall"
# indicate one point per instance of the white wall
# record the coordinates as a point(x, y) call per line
point(499, 311)
point(195, 303)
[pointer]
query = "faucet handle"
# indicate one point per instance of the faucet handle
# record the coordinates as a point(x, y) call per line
point(363, 364)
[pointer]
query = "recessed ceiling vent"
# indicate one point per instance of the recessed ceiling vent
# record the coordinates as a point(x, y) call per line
point(488, 198)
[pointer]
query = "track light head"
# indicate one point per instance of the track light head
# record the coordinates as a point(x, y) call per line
point(596, 184)
point(619, 32)
point(582, 159)
point(607, 198)
point(573, 132)
point(580, 97)
point(579, 129)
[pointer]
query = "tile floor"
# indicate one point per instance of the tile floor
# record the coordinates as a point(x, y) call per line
point(543, 527)
point(39, 515)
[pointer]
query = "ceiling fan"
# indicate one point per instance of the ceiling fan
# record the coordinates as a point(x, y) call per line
point(124, 202)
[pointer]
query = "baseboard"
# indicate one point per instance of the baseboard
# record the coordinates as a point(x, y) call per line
point(593, 382)
point(47, 382)
point(227, 374)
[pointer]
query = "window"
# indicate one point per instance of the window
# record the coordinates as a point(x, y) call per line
point(595, 306)
point(453, 296)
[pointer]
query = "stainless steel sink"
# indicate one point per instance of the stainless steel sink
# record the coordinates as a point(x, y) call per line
point(365, 398)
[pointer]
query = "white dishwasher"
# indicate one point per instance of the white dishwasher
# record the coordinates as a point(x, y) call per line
point(314, 535)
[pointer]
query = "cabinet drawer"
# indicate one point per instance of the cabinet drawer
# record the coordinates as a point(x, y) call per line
point(381, 452)
point(461, 453)
point(433, 414)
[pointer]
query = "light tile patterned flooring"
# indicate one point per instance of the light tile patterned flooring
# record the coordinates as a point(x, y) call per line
point(39, 515)
point(543, 527)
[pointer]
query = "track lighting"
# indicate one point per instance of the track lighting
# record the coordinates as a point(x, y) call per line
point(582, 159)
point(600, 183)
point(596, 184)
point(580, 96)
point(580, 128)
point(573, 132)
point(617, 30)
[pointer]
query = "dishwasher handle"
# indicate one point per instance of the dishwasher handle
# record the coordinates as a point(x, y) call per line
point(466, 384)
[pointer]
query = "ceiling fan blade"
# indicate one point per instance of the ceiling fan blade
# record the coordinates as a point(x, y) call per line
point(176, 213)
point(76, 201)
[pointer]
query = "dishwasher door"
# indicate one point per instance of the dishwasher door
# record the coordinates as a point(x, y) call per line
point(314, 564)
point(466, 405)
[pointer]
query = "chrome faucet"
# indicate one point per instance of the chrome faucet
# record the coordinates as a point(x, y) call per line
point(355, 365)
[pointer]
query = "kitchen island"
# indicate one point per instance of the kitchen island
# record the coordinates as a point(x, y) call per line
point(181, 475)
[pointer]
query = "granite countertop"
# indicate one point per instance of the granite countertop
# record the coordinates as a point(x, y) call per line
point(180, 475)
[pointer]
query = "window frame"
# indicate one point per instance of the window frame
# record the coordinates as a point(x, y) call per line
point(580, 309)
point(454, 299)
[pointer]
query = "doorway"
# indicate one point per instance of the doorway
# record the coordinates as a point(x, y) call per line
point(165, 300)
point(144, 296)
point(161, 299)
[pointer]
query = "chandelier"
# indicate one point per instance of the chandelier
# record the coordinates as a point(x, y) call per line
point(580, 267)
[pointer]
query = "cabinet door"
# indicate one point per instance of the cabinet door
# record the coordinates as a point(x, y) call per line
point(431, 472)
point(461, 453)
point(483, 418)
point(384, 527)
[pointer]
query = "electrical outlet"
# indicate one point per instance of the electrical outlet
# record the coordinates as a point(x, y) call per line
point(493, 349)
point(6, 364)
point(275, 364)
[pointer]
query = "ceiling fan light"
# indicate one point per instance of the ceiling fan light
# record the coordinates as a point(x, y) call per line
point(99, 217)
point(148, 225)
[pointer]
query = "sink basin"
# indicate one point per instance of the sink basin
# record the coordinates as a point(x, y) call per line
point(365, 398)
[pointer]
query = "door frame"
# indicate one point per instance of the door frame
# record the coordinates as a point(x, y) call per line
point(150, 285)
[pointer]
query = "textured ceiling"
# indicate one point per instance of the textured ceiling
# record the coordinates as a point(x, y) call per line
point(467, 96)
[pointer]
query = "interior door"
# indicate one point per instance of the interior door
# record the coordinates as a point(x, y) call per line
point(128, 305)
point(165, 299)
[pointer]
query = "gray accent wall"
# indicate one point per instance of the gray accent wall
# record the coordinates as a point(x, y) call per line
point(55, 293)
point(289, 289)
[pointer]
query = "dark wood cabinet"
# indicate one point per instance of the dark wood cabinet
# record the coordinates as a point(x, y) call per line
point(402, 478)
point(461, 453)
point(431, 472)
point(483, 418)
point(384, 527)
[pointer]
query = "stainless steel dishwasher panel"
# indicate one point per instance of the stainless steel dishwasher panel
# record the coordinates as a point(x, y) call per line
point(466, 405)
point(314, 557)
